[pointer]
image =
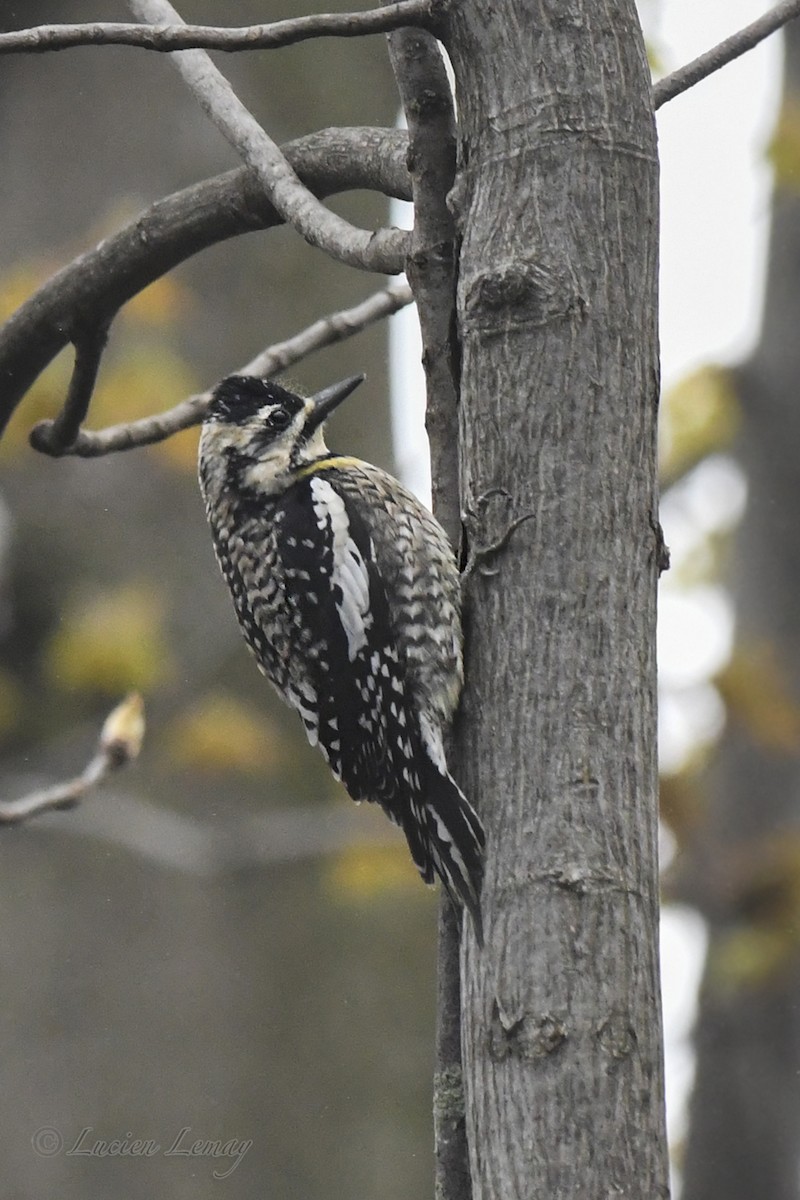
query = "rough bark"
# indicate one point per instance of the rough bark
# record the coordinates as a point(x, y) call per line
point(556, 201)
point(743, 870)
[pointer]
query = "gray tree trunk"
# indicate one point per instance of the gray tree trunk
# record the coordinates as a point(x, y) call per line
point(743, 871)
point(557, 199)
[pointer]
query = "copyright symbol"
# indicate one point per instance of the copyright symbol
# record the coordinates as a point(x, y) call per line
point(47, 1141)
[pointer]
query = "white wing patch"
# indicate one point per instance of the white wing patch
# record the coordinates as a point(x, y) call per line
point(349, 571)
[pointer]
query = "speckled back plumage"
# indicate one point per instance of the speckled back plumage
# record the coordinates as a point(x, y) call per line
point(348, 594)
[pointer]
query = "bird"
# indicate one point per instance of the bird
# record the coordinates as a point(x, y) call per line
point(348, 594)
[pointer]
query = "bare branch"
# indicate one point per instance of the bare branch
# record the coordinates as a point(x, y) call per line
point(380, 251)
point(53, 437)
point(128, 435)
point(92, 288)
point(733, 47)
point(336, 327)
point(431, 265)
point(120, 742)
point(333, 328)
point(166, 38)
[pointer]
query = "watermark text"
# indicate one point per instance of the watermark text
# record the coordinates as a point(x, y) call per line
point(48, 1142)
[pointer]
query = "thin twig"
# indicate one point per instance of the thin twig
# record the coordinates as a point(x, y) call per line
point(336, 327)
point(734, 46)
point(92, 288)
point(55, 437)
point(379, 251)
point(333, 328)
point(120, 742)
point(166, 38)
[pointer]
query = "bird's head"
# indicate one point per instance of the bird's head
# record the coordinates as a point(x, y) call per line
point(265, 432)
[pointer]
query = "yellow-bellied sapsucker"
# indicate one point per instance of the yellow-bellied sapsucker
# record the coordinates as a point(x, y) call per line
point(348, 594)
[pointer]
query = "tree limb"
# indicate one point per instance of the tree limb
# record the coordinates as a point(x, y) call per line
point(379, 251)
point(431, 264)
point(91, 289)
point(53, 437)
point(167, 38)
point(431, 268)
point(120, 742)
point(733, 47)
point(191, 411)
point(336, 327)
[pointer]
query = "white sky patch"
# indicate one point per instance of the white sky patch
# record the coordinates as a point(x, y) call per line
point(715, 185)
point(687, 719)
point(683, 950)
point(411, 449)
point(695, 634)
point(715, 493)
point(710, 500)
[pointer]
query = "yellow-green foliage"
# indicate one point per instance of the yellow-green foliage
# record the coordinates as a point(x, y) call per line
point(700, 415)
point(757, 694)
point(10, 702)
point(142, 372)
point(222, 733)
point(109, 642)
point(364, 870)
point(655, 59)
point(783, 151)
point(765, 882)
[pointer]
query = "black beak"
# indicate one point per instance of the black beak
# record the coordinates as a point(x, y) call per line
point(329, 399)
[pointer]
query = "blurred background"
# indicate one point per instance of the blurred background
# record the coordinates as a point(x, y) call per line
point(219, 940)
point(178, 952)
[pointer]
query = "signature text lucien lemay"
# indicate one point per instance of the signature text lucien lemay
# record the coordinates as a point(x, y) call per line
point(48, 1141)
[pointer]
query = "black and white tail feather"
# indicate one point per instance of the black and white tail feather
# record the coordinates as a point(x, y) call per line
point(455, 843)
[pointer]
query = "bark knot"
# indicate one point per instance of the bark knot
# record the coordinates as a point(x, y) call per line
point(529, 1036)
point(617, 1037)
point(520, 291)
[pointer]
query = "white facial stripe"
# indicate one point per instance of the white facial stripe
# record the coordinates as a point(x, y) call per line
point(313, 447)
point(349, 569)
point(265, 469)
point(264, 475)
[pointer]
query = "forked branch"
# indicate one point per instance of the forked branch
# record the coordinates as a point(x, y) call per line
point(53, 437)
point(91, 289)
point(145, 432)
point(380, 251)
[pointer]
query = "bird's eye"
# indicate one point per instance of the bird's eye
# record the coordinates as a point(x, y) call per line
point(278, 419)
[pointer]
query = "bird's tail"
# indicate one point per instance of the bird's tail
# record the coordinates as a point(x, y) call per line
point(449, 840)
